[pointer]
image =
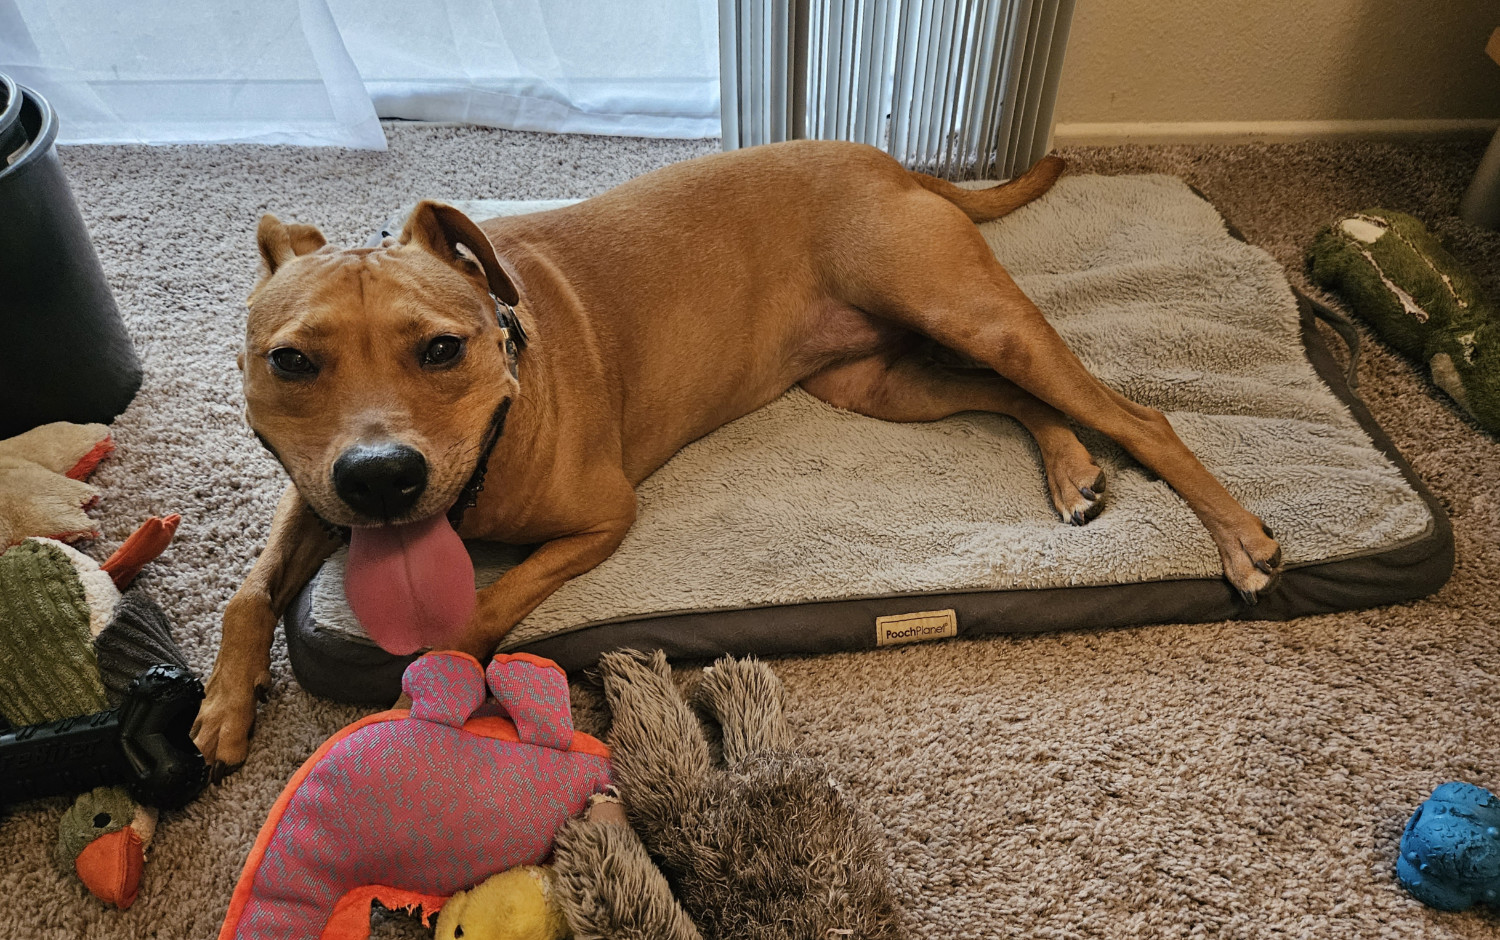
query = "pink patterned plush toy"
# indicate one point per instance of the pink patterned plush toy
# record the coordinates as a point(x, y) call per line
point(408, 808)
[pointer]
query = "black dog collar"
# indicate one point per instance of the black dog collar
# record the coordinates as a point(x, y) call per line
point(469, 495)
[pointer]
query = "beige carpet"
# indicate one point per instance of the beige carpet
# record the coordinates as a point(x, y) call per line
point(1235, 780)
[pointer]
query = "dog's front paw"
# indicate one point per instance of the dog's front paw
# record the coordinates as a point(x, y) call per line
point(222, 729)
point(1252, 560)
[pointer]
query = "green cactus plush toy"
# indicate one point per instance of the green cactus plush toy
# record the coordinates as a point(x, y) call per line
point(1399, 279)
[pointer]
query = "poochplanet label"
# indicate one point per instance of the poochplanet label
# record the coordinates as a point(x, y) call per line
point(914, 628)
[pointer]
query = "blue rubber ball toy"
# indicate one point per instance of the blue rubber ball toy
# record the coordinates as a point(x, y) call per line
point(1450, 851)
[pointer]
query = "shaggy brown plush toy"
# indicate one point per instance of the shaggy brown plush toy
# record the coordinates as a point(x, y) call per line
point(765, 847)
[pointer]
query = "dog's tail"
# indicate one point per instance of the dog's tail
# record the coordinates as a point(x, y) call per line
point(983, 205)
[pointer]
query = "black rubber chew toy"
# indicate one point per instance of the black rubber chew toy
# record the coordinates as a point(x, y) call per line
point(143, 744)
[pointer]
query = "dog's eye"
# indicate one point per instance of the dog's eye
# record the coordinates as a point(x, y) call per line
point(442, 350)
point(289, 361)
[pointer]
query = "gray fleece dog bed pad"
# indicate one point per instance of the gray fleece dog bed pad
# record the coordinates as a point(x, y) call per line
point(803, 528)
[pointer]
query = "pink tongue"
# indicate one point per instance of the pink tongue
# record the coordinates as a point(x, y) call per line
point(412, 585)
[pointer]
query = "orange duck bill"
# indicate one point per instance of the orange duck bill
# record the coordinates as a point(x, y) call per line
point(110, 867)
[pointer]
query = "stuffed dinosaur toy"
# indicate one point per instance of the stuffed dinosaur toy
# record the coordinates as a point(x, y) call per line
point(764, 847)
point(1418, 298)
point(72, 645)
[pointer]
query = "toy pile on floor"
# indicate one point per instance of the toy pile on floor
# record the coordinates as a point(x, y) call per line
point(483, 791)
point(95, 697)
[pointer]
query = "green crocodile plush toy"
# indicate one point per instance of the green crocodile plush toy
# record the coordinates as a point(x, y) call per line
point(1400, 280)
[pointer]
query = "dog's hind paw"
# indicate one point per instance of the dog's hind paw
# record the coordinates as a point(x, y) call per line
point(1252, 562)
point(1077, 494)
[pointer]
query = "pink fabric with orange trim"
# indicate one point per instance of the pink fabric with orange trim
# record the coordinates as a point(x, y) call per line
point(409, 808)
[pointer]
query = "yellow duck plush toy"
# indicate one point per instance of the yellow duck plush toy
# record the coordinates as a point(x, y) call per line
point(517, 904)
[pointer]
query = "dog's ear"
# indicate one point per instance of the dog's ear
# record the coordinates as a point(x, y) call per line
point(453, 236)
point(280, 243)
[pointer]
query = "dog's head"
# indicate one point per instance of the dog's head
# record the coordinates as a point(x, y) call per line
point(375, 375)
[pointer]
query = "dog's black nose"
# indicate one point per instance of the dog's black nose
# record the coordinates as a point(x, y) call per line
point(380, 480)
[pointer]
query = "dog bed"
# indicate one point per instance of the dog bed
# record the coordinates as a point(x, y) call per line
point(801, 528)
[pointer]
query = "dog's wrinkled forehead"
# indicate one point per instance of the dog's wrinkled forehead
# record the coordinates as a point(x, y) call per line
point(360, 290)
point(440, 261)
point(394, 283)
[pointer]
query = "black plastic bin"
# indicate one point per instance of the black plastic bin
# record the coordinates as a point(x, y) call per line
point(64, 353)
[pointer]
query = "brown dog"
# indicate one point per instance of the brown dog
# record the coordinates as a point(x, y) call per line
point(655, 313)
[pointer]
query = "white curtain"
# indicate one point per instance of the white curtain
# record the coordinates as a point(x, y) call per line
point(189, 71)
point(317, 72)
point(641, 67)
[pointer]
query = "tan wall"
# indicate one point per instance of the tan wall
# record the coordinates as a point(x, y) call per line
point(1279, 60)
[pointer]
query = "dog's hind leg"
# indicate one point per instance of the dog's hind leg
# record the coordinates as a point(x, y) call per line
point(659, 757)
point(949, 287)
point(908, 387)
point(746, 698)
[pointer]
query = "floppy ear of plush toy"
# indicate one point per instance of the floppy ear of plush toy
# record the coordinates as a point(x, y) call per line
point(42, 492)
point(766, 846)
point(407, 808)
